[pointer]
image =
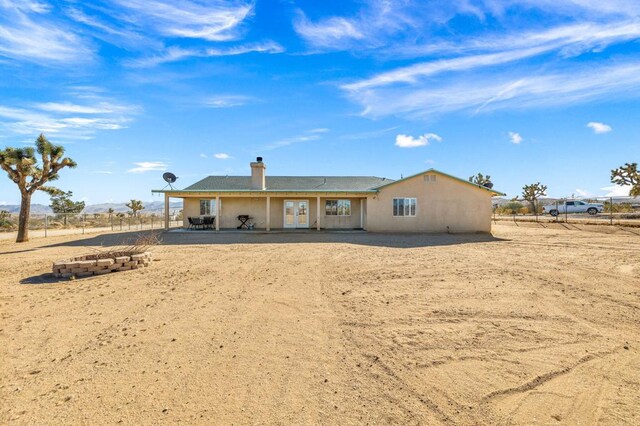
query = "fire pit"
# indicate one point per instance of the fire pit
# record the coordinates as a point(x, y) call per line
point(100, 264)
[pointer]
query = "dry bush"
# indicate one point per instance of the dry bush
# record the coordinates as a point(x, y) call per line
point(142, 243)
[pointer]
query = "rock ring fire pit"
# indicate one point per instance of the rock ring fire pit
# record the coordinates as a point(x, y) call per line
point(100, 264)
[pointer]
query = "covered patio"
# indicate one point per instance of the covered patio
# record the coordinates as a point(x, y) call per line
point(273, 210)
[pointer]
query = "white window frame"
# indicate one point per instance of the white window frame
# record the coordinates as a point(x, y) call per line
point(344, 202)
point(209, 204)
point(406, 207)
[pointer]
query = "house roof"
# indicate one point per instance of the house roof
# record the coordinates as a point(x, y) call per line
point(291, 183)
point(494, 192)
point(308, 184)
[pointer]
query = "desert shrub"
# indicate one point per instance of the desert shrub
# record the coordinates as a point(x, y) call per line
point(144, 242)
point(512, 207)
point(618, 207)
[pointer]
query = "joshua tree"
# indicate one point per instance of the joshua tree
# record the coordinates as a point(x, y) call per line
point(532, 192)
point(110, 212)
point(481, 180)
point(135, 206)
point(61, 203)
point(22, 167)
point(4, 218)
point(627, 175)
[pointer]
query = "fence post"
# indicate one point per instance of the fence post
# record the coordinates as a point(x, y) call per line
point(611, 211)
point(84, 219)
point(129, 222)
point(151, 222)
point(566, 212)
point(111, 220)
point(45, 225)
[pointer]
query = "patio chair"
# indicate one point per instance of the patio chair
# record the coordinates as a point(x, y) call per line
point(195, 222)
point(209, 222)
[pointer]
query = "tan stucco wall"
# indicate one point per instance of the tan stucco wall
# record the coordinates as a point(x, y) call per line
point(230, 209)
point(256, 208)
point(447, 202)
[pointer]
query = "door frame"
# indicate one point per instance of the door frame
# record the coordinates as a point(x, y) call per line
point(296, 225)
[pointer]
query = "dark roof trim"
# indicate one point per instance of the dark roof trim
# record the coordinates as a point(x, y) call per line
point(263, 191)
point(494, 192)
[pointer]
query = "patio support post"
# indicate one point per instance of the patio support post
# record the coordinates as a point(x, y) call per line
point(166, 211)
point(361, 213)
point(318, 214)
point(268, 213)
point(217, 212)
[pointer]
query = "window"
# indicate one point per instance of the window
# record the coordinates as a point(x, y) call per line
point(337, 208)
point(570, 203)
point(430, 178)
point(206, 207)
point(404, 206)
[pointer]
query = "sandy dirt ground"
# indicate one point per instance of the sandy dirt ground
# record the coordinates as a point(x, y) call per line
point(533, 325)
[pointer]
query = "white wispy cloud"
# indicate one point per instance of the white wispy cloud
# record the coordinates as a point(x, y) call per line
point(148, 166)
point(309, 135)
point(212, 21)
point(598, 127)
point(515, 138)
point(101, 107)
point(151, 28)
point(502, 89)
point(616, 190)
point(372, 27)
point(222, 156)
point(397, 28)
point(116, 32)
point(567, 40)
point(515, 67)
point(28, 34)
point(68, 120)
point(173, 54)
point(583, 193)
point(226, 101)
point(368, 135)
point(330, 32)
point(503, 49)
point(406, 141)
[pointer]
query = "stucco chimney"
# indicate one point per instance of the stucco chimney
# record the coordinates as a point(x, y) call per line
point(257, 174)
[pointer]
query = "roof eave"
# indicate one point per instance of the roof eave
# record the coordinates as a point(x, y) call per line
point(264, 191)
point(492, 191)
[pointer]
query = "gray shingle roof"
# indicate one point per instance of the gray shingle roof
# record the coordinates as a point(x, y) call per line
point(291, 183)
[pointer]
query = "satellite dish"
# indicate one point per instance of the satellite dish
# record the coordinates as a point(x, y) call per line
point(169, 178)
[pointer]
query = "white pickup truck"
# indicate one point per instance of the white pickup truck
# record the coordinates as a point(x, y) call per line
point(574, 206)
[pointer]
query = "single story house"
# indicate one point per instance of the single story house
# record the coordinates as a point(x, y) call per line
point(431, 201)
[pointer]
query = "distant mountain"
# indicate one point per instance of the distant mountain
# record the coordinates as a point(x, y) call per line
point(35, 208)
point(152, 207)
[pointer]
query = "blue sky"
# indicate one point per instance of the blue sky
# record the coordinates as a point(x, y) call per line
point(523, 90)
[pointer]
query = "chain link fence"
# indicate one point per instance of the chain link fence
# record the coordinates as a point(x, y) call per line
point(619, 212)
point(45, 225)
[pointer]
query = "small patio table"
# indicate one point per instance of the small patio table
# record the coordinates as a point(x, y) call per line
point(243, 218)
